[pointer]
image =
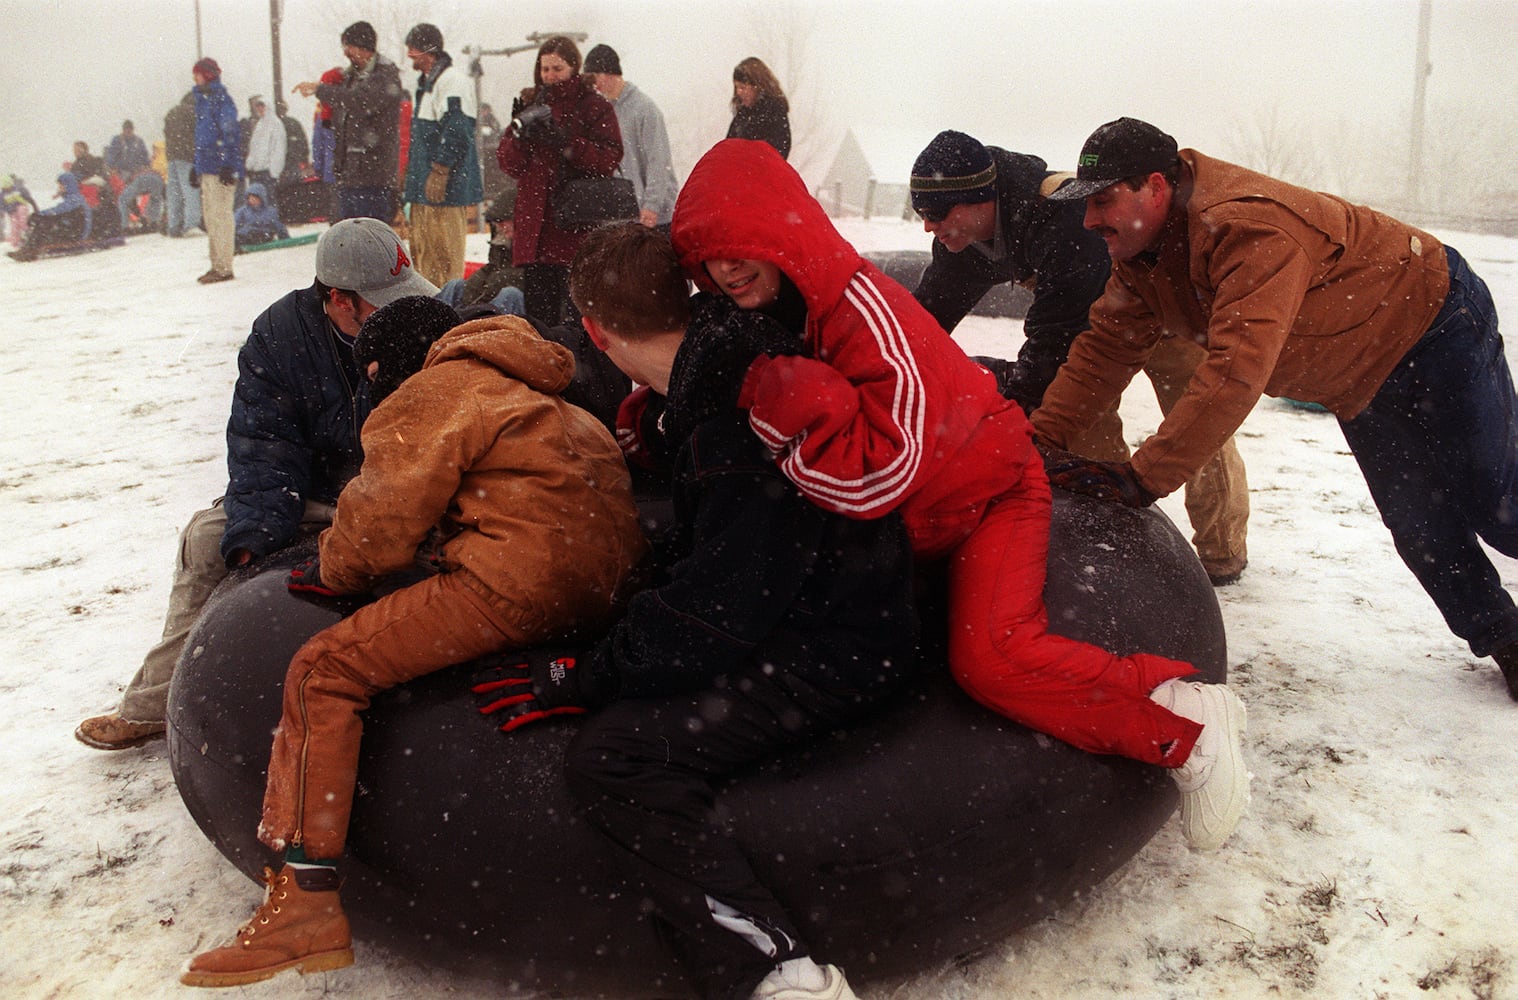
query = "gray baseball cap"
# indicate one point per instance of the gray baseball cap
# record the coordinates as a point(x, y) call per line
point(365, 256)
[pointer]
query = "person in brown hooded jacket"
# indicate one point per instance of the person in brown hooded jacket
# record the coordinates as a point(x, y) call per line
point(1300, 294)
point(524, 504)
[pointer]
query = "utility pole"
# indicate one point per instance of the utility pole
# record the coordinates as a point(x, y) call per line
point(1421, 71)
point(534, 40)
point(280, 107)
point(199, 52)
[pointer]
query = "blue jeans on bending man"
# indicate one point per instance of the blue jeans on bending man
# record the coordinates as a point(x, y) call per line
point(1439, 449)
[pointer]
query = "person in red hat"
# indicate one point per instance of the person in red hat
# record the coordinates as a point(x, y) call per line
point(218, 165)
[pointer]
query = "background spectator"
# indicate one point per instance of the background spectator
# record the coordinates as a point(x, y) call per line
point(760, 110)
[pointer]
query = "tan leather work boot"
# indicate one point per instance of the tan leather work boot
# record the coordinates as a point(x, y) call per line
point(300, 925)
point(111, 732)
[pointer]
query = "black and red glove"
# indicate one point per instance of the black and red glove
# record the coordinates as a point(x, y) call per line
point(542, 684)
point(306, 578)
point(1114, 481)
point(638, 433)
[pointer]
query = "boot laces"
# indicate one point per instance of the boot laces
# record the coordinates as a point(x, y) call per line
point(274, 894)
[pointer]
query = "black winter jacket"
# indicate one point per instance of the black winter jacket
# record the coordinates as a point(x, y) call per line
point(366, 114)
point(296, 414)
point(1046, 245)
point(766, 121)
point(761, 573)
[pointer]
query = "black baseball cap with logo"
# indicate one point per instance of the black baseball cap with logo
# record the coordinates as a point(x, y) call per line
point(1118, 150)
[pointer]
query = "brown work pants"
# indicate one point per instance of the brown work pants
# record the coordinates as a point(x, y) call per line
point(438, 233)
point(1217, 497)
point(414, 631)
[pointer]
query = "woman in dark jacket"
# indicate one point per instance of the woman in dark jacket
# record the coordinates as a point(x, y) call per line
point(760, 110)
point(560, 129)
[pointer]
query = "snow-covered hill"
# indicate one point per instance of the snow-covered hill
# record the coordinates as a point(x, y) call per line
point(1378, 859)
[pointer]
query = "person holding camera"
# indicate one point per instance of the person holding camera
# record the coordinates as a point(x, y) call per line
point(561, 129)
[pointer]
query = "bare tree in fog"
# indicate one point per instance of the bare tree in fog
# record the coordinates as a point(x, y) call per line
point(781, 36)
point(1273, 147)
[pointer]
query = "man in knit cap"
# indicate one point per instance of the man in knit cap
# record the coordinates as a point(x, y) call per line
point(646, 159)
point(365, 107)
point(442, 166)
point(218, 165)
point(992, 222)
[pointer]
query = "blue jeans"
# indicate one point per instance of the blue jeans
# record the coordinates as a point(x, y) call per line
point(1439, 449)
point(366, 203)
point(183, 200)
point(507, 302)
point(146, 183)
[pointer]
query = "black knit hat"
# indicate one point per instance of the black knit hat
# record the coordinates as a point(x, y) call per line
point(398, 337)
point(425, 38)
point(603, 59)
point(1116, 151)
point(360, 35)
point(954, 169)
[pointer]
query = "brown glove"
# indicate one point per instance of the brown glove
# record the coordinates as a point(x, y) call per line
point(436, 188)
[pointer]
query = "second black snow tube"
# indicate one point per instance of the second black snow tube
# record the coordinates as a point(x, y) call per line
point(926, 833)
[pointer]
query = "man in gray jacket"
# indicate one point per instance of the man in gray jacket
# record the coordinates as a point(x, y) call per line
point(366, 120)
point(645, 142)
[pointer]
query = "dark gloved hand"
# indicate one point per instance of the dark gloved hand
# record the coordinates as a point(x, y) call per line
point(543, 683)
point(436, 185)
point(194, 178)
point(227, 175)
point(306, 578)
point(547, 131)
point(638, 427)
point(1113, 481)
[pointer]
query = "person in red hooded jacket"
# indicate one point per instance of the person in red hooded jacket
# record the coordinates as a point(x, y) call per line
point(578, 136)
point(883, 412)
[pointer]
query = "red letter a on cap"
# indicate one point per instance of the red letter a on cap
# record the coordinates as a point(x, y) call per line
point(401, 260)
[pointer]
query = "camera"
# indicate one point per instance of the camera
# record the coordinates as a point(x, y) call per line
point(529, 116)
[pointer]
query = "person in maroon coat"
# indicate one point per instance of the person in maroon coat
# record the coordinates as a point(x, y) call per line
point(560, 129)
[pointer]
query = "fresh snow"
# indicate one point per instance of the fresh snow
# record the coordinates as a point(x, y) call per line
point(1377, 860)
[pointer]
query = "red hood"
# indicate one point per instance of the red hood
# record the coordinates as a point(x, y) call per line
point(743, 202)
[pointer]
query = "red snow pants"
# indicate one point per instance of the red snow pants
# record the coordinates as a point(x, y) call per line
point(1003, 655)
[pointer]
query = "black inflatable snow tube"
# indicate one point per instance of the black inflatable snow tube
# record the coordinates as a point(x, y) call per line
point(926, 833)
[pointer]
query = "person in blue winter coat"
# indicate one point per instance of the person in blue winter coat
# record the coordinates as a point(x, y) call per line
point(68, 222)
point(292, 445)
point(258, 220)
point(218, 165)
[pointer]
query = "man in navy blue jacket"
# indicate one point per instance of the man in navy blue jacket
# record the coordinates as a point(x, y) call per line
point(292, 445)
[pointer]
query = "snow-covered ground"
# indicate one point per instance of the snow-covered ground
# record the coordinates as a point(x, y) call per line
point(1378, 859)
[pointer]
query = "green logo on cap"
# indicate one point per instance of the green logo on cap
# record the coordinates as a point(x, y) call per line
point(1089, 159)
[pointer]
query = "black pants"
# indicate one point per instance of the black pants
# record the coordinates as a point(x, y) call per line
point(545, 287)
point(643, 771)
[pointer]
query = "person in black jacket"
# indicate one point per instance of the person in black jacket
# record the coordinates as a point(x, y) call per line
point(760, 110)
point(366, 117)
point(779, 622)
point(292, 445)
point(992, 222)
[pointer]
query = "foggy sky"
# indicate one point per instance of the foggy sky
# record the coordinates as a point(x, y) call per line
point(1032, 76)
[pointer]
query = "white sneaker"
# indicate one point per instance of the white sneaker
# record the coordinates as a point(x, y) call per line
point(803, 979)
point(1214, 781)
